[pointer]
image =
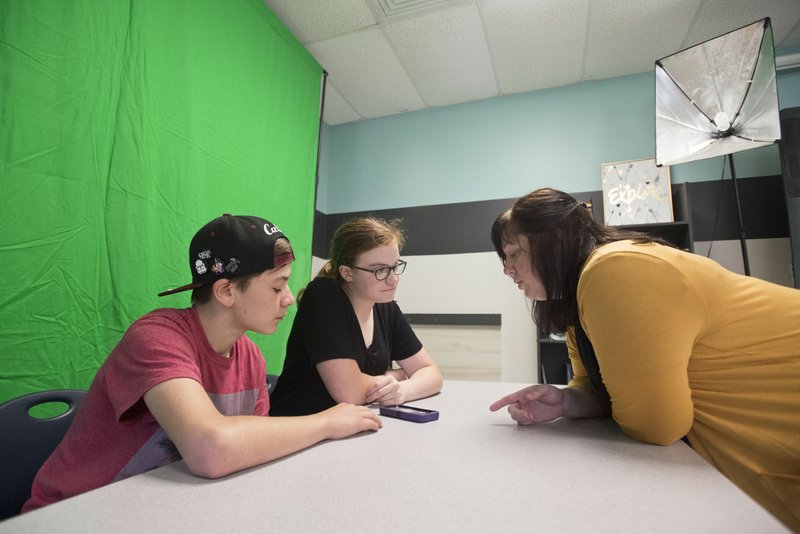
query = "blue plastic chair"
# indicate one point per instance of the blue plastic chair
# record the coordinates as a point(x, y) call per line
point(271, 381)
point(26, 442)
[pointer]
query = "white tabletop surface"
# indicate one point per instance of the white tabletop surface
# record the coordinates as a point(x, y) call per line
point(470, 471)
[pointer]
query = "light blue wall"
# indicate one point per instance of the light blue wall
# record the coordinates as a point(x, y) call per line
point(505, 147)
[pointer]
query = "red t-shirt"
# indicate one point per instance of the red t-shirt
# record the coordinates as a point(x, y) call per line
point(114, 436)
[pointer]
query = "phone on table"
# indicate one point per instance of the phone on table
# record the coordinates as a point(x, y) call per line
point(409, 413)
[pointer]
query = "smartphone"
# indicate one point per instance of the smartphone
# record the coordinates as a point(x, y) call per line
point(410, 413)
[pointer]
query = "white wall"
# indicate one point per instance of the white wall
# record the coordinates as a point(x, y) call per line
point(770, 259)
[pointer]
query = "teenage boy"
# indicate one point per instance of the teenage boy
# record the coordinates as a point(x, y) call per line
point(188, 383)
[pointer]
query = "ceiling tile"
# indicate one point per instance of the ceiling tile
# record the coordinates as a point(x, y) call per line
point(793, 39)
point(315, 20)
point(716, 17)
point(535, 44)
point(337, 110)
point(445, 53)
point(366, 72)
point(628, 36)
point(388, 56)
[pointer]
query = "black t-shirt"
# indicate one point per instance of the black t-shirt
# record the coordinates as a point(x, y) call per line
point(326, 328)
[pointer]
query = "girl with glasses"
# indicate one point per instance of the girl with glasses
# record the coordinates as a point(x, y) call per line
point(349, 329)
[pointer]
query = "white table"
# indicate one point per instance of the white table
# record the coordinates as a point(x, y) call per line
point(470, 471)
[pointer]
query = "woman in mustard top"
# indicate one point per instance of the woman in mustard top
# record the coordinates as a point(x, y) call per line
point(668, 343)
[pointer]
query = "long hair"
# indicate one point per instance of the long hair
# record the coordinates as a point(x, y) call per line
point(357, 236)
point(560, 234)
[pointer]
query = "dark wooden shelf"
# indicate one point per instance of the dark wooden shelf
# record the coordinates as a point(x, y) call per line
point(553, 362)
point(678, 233)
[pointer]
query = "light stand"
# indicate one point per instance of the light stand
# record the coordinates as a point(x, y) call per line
point(740, 219)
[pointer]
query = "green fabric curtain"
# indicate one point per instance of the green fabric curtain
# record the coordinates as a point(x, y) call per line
point(124, 127)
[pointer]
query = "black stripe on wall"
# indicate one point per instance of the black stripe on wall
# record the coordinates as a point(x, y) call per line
point(763, 209)
point(438, 229)
point(464, 227)
point(472, 319)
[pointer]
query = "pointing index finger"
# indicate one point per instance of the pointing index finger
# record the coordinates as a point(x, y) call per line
point(505, 401)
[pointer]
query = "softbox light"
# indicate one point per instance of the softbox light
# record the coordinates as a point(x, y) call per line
point(718, 97)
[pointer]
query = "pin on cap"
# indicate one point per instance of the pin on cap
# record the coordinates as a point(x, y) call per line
point(230, 247)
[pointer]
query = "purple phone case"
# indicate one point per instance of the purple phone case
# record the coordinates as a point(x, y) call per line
point(410, 413)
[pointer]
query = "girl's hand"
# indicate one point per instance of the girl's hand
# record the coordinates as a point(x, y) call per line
point(386, 390)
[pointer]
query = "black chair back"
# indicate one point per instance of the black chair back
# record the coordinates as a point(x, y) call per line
point(271, 381)
point(26, 442)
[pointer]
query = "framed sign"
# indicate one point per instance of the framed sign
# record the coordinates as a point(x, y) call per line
point(636, 192)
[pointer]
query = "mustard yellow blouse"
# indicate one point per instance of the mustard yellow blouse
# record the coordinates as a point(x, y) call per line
point(687, 347)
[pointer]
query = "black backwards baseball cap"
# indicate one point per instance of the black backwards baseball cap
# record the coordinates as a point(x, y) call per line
point(232, 246)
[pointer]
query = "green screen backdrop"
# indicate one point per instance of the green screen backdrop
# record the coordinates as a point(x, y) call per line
point(124, 127)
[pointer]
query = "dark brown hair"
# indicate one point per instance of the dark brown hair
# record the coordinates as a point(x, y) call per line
point(560, 234)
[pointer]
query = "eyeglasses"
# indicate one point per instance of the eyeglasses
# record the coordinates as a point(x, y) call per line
point(382, 273)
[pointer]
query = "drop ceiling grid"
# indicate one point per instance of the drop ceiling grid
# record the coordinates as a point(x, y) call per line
point(626, 37)
point(537, 44)
point(792, 40)
point(316, 20)
point(337, 110)
point(446, 54)
point(427, 53)
point(716, 17)
point(366, 71)
point(394, 10)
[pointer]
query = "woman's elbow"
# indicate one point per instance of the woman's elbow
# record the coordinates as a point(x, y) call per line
point(661, 439)
point(433, 377)
point(662, 421)
point(657, 435)
point(430, 374)
point(437, 381)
